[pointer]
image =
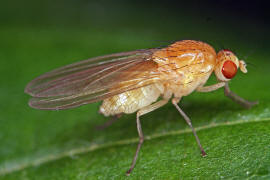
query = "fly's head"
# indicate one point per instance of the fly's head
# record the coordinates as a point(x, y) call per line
point(227, 65)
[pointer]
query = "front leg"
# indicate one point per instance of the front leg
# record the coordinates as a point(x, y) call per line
point(238, 99)
point(228, 93)
point(211, 87)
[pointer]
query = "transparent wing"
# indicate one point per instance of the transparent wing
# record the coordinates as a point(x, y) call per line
point(93, 80)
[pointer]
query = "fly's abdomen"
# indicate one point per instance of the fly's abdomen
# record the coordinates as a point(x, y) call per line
point(131, 101)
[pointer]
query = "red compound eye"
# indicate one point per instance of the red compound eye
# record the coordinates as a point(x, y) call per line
point(229, 69)
point(227, 50)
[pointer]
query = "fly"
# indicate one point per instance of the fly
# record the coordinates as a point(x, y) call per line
point(133, 81)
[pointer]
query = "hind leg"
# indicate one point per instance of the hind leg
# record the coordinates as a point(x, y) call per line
point(109, 122)
point(141, 112)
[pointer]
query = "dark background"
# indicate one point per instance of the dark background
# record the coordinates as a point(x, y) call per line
point(85, 13)
point(157, 16)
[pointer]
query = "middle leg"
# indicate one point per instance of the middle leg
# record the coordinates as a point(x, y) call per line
point(187, 119)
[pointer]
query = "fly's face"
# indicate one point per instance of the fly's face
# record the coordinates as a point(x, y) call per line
point(227, 65)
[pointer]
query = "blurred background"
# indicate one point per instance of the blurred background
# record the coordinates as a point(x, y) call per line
point(38, 36)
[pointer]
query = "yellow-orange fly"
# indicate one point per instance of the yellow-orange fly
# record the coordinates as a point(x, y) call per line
point(133, 81)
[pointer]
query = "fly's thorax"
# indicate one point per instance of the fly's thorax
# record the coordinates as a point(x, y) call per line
point(185, 56)
point(187, 84)
point(185, 65)
point(183, 81)
point(184, 51)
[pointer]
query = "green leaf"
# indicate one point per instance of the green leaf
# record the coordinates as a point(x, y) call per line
point(66, 145)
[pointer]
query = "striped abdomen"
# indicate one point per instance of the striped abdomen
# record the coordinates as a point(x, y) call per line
point(131, 101)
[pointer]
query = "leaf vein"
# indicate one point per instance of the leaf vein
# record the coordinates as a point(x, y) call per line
point(12, 165)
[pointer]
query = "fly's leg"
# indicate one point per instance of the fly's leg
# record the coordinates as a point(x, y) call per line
point(238, 99)
point(174, 102)
point(109, 122)
point(141, 112)
point(228, 93)
point(211, 87)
